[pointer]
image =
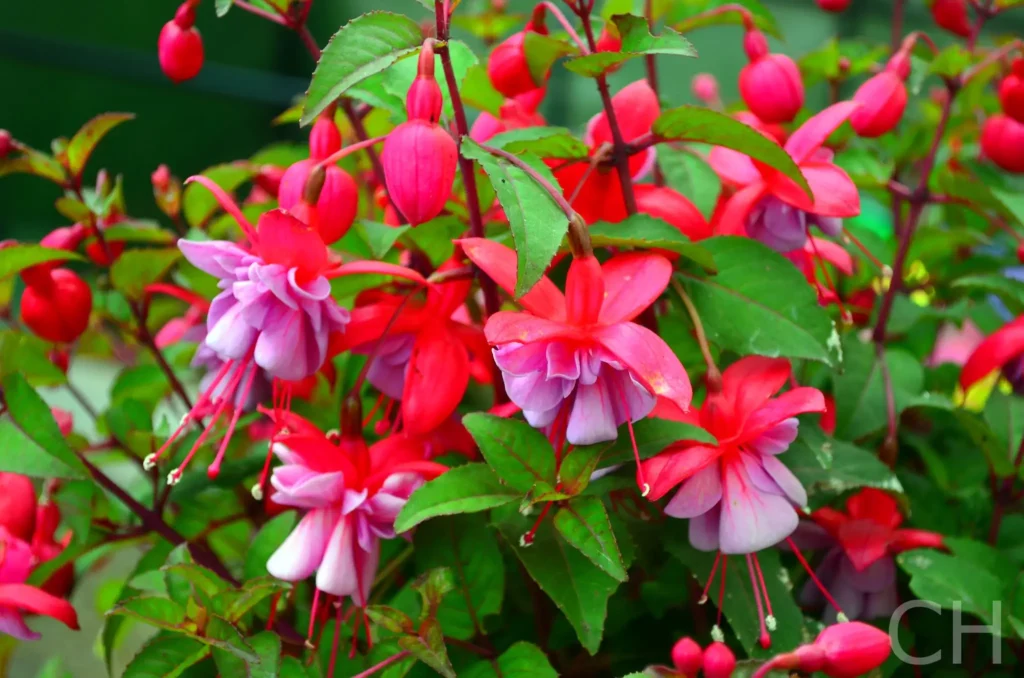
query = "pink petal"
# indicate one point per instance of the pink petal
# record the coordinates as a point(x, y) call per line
point(301, 487)
point(36, 601)
point(12, 624)
point(436, 379)
point(499, 263)
point(592, 419)
point(777, 439)
point(803, 143)
point(995, 351)
point(219, 258)
point(302, 551)
point(704, 529)
point(509, 326)
point(785, 479)
point(632, 282)
point(337, 572)
point(752, 520)
point(649, 359)
point(698, 495)
point(677, 464)
point(791, 403)
point(733, 218)
point(733, 167)
point(832, 253)
point(377, 268)
point(835, 194)
point(751, 381)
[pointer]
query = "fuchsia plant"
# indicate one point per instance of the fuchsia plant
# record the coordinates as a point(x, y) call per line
point(487, 396)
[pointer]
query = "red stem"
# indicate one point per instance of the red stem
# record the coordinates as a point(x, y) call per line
point(556, 193)
point(384, 664)
point(560, 18)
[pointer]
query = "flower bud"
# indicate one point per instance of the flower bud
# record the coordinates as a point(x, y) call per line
point(882, 99)
point(609, 40)
point(423, 100)
point(332, 208)
point(1002, 140)
point(324, 138)
point(507, 66)
point(514, 115)
point(705, 89)
point(770, 84)
point(834, 5)
point(17, 505)
point(1011, 92)
point(6, 143)
point(161, 178)
point(673, 207)
point(852, 649)
point(719, 661)
point(952, 15)
point(180, 47)
point(59, 310)
point(687, 656)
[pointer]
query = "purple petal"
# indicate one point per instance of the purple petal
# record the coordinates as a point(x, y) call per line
point(778, 439)
point(302, 551)
point(317, 289)
point(277, 279)
point(219, 258)
point(704, 530)
point(231, 337)
point(872, 579)
point(882, 603)
point(592, 419)
point(520, 359)
point(752, 519)
point(12, 624)
point(785, 479)
point(698, 495)
point(562, 361)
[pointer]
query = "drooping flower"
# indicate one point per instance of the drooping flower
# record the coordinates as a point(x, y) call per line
point(17, 597)
point(883, 98)
point(770, 84)
point(704, 87)
point(687, 656)
point(1002, 140)
point(845, 650)
point(718, 661)
point(770, 207)
point(180, 46)
point(1011, 91)
point(17, 505)
point(952, 15)
point(577, 360)
point(57, 308)
point(596, 192)
point(507, 66)
point(858, 568)
point(1001, 349)
point(423, 348)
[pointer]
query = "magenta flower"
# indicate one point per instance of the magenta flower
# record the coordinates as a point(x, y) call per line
point(18, 598)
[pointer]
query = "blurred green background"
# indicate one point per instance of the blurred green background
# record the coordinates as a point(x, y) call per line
point(64, 61)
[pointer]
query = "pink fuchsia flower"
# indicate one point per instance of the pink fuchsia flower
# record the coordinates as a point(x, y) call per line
point(1000, 350)
point(351, 495)
point(577, 360)
point(180, 47)
point(770, 84)
point(858, 568)
point(596, 194)
point(955, 344)
point(770, 207)
point(845, 650)
point(18, 598)
point(1002, 140)
point(17, 505)
point(507, 66)
point(423, 348)
point(883, 98)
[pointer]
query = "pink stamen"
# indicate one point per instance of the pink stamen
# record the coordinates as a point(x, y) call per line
point(335, 642)
point(641, 480)
point(273, 610)
point(312, 619)
point(814, 577)
point(764, 589)
point(243, 395)
point(373, 410)
point(528, 538)
point(711, 578)
point(201, 403)
point(764, 639)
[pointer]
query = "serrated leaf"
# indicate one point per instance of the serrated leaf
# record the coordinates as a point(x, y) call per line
point(135, 269)
point(429, 648)
point(544, 142)
point(636, 41)
point(646, 232)
point(391, 619)
point(167, 656)
point(519, 454)
point(380, 238)
point(759, 303)
point(1012, 201)
point(584, 524)
point(32, 416)
point(366, 45)
point(17, 258)
point(537, 222)
point(464, 489)
point(576, 468)
point(156, 611)
point(86, 139)
point(703, 125)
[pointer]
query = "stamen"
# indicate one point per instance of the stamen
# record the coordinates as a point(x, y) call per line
point(242, 396)
point(711, 578)
point(770, 620)
point(312, 619)
point(847, 317)
point(641, 480)
point(257, 492)
point(764, 639)
point(273, 610)
point(527, 539)
point(717, 634)
point(814, 577)
point(335, 642)
point(373, 410)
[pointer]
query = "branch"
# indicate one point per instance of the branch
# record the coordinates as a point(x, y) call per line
point(713, 376)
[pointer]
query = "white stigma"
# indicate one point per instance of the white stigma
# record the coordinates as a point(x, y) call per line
point(149, 463)
point(716, 634)
point(523, 543)
point(842, 618)
point(257, 492)
point(647, 490)
point(174, 476)
point(770, 622)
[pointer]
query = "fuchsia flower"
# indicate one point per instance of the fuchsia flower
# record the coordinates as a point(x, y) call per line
point(858, 568)
point(770, 84)
point(351, 493)
point(507, 66)
point(1011, 91)
point(1000, 350)
point(846, 650)
point(770, 207)
point(955, 345)
point(180, 46)
point(577, 358)
point(17, 598)
point(883, 98)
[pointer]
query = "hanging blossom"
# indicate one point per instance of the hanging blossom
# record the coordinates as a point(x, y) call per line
point(423, 347)
point(858, 568)
point(577, 360)
point(1001, 350)
point(770, 207)
point(740, 498)
point(17, 559)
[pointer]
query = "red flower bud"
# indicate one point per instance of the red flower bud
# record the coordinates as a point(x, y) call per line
point(719, 661)
point(687, 656)
point(883, 99)
point(1011, 92)
point(507, 66)
point(335, 208)
point(325, 137)
point(161, 178)
point(952, 15)
point(834, 5)
point(673, 207)
point(63, 238)
point(180, 47)
point(609, 41)
point(423, 100)
point(770, 84)
point(59, 310)
point(65, 420)
point(60, 358)
point(1002, 140)
point(852, 649)
point(17, 505)
point(705, 88)
point(6, 143)
point(419, 159)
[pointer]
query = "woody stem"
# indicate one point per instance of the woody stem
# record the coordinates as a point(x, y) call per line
point(714, 376)
point(990, 59)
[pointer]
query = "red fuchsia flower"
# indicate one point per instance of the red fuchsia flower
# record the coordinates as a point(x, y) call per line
point(770, 207)
point(1000, 350)
point(422, 349)
point(834, 5)
point(705, 89)
point(507, 66)
point(770, 84)
point(955, 344)
point(56, 306)
point(952, 15)
point(858, 568)
point(351, 493)
point(846, 650)
point(718, 661)
point(814, 258)
point(332, 212)
point(577, 360)
point(595, 192)
point(18, 598)
point(1002, 140)
point(17, 505)
point(883, 98)
point(419, 156)
point(1011, 91)
point(180, 47)
point(517, 113)
point(675, 208)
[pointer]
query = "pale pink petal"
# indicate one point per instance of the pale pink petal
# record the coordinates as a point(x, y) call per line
point(301, 487)
point(301, 553)
point(337, 573)
point(649, 360)
point(804, 142)
point(592, 419)
point(785, 479)
point(835, 194)
point(733, 167)
point(704, 528)
point(698, 495)
point(752, 520)
point(777, 439)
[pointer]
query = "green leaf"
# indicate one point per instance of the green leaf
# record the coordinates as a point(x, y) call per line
point(469, 548)
point(999, 440)
point(85, 140)
point(380, 238)
point(30, 355)
point(690, 175)
point(950, 581)
point(429, 648)
point(464, 489)
point(951, 62)
point(537, 222)
point(1010, 290)
point(689, 16)
point(584, 523)
point(135, 269)
point(738, 604)
point(577, 467)
point(578, 587)
point(221, 7)
point(20, 454)
point(477, 91)
point(17, 258)
point(391, 619)
point(544, 142)
point(520, 455)
point(1013, 202)
point(759, 303)
point(646, 232)
point(542, 51)
point(145, 384)
point(521, 660)
point(167, 656)
point(267, 540)
point(156, 611)
point(636, 41)
point(198, 203)
point(138, 232)
point(31, 161)
point(32, 416)
point(234, 604)
point(860, 396)
point(364, 46)
point(693, 123)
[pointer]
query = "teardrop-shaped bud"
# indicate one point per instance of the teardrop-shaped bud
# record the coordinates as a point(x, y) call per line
point(325, 137)
point(17, 505)
point(180, 47)
point(507, 66)
point(952, 15)
point(6, 143)
point(423, 100)
point(705, 89)
point(719, 661)
point(332, 213)
point(58, 312)
point(772, 88)
point(687, 656)
point(63, 238)
point(853, 649)
point(1002, 140)
point(1011, 92)
point(882, 99)
point(419, 159)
